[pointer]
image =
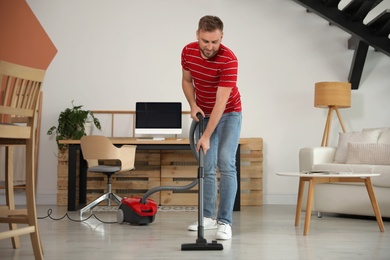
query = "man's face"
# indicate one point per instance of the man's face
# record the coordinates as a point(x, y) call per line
point(209, 42)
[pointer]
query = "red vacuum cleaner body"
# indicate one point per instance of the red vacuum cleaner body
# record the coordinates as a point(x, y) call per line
point(132, 211)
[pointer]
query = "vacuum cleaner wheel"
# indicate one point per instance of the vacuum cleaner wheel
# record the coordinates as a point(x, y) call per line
point(120, 216)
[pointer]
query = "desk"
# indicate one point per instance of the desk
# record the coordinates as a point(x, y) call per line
point(315, 178)
point(168, 144)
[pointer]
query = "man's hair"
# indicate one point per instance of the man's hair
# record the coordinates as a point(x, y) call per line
point(210, 23)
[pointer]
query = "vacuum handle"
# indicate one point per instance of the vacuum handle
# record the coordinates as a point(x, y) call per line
point(201, 124)
point(200, 130)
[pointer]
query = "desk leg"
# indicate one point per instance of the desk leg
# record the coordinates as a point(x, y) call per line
point(309, 204)
point(237, 201)
point(374, 204)
point(83, 181)
point(72, 164)
point(299, 201)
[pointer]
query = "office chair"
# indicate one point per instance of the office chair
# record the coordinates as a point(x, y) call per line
point(100, 153)
point(19, 93)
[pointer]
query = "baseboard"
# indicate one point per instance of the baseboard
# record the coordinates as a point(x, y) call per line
point(47, 199)
point(20, 198)
point(51, 199)
point(279, 199)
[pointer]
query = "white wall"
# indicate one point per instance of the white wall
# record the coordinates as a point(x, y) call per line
point(114, 53)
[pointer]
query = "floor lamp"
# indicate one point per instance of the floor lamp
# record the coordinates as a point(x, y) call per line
point(332, 95)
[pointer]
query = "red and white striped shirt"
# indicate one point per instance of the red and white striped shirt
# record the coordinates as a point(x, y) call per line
point(209, 74)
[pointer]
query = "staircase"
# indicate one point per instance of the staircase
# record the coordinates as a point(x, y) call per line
point(350, 19)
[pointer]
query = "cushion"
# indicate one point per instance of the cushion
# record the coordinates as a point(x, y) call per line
point(384, 179)
point(384, 134)
point(376, 128)
point(358, 137)
point(368, 153)
point(384, 137)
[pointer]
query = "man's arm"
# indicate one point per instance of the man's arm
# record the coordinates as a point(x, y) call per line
point(189, 92)
point(222, 98)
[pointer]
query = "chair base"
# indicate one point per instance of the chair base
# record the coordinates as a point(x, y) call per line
point(109, 196)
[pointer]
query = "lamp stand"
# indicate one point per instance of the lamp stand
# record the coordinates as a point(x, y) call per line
point(325, 137)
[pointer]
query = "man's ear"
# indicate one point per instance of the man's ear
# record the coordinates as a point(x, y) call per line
point(197, 35)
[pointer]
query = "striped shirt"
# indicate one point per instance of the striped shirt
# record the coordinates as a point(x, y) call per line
point(209, 74)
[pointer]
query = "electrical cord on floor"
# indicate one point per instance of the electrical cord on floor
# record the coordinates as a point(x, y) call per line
point(50, 211)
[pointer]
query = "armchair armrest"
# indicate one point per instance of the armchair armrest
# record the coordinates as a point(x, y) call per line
point(309, 156)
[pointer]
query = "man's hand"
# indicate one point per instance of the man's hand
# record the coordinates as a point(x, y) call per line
point(194, 111)
point(203, 142)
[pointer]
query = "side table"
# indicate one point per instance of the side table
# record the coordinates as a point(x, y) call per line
point(314, 178)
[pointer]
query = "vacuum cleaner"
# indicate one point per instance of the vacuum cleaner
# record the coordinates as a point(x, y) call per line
point(142, 211)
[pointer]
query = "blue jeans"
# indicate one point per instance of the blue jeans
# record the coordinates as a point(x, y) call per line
point(222, 153)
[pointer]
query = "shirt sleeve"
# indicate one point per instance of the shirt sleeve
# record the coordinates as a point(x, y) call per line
point(183, 58)
point(229, 73)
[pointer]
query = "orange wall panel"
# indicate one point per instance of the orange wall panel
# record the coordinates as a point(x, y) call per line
point(22, 38)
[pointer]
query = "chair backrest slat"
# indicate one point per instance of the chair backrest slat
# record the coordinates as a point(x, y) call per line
point(19, 91)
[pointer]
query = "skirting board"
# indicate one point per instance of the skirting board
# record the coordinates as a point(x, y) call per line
point(280, 199)
point(20, 198)
point(51, 199)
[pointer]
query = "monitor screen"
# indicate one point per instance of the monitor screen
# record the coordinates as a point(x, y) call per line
point(158, 118)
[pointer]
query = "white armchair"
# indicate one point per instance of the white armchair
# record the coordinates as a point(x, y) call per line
point(351, 198)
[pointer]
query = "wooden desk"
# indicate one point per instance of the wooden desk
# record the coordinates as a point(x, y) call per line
point(315, 178)
point(168, 144)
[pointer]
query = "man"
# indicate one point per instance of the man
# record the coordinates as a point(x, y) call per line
point(209, 85)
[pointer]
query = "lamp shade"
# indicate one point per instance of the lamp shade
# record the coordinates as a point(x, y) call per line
point(336, 94)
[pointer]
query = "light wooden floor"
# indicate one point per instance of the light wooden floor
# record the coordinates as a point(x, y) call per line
point(266, 232)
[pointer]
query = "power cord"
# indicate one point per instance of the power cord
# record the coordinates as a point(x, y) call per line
point(50, 211)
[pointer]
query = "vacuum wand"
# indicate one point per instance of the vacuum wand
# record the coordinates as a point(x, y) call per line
point(200, 184)
point(201, 242)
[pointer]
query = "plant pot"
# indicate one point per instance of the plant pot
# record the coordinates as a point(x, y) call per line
point(88, 128)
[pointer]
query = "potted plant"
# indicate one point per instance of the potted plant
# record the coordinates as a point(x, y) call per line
point(71, 124)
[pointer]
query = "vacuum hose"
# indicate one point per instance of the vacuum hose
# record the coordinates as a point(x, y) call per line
point(193, 126)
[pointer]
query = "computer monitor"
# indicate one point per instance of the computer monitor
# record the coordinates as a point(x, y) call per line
point(158, 118)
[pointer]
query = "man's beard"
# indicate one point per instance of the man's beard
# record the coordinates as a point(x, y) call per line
point(208, 55)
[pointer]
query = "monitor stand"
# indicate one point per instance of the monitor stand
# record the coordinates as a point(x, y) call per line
point(156, 138)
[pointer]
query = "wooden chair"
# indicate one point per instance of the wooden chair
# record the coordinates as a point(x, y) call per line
point(104, 157)
point(19, 91)
point(19, 176)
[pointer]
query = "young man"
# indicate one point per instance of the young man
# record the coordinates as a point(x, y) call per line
point(209, 85)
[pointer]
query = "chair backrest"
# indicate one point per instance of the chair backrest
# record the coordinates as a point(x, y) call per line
point(19, 92)
point(96, 147)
